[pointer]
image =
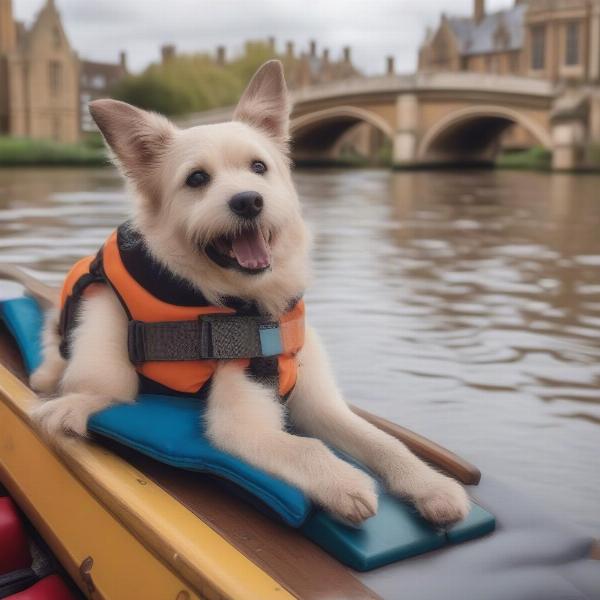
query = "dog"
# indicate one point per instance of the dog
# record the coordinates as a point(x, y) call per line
point(184, 184)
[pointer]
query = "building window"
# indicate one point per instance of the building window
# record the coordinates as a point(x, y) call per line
point(572, 44)
point(98, 82)
point(54, 76)
point(538, 47)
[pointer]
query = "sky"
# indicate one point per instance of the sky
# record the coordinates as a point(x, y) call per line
point(374, 29)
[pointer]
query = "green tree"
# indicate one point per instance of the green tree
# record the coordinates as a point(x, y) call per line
point(192, 82)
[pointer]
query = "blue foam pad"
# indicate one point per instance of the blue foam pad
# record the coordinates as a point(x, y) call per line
point(396, 532)
point(170, 429)
point(24, 319)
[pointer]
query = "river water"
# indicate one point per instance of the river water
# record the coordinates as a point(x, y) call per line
point(463, 305)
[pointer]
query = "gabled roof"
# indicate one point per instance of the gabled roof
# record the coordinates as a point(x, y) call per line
point(497, 31)
point(47, 14)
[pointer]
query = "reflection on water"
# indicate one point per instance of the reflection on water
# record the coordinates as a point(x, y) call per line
point(465, 306)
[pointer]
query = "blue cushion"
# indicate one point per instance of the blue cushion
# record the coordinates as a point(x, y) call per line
point(397, 531)
point(170, 429)
point(24, 319)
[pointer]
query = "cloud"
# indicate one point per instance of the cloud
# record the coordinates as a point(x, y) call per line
point(373, 28)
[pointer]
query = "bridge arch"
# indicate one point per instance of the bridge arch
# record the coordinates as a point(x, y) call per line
point(472, 133)
point(316, 134)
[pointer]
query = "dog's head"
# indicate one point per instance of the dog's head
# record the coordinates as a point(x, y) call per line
point(216, 203)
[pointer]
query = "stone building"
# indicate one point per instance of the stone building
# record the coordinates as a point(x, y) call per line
point(311, 68)
point(39, 72)
point(44, 87)
point(550, 39)
point(96, 80)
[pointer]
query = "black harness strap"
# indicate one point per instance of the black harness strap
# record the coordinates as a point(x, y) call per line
point(70, 310)
point(218, 337)
point(265, 370)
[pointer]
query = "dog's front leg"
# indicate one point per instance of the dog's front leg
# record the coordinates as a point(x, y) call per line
point(245, 418)
point(98, 372)
point(317, 408)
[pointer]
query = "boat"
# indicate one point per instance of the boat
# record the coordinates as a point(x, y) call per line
point(126, 526)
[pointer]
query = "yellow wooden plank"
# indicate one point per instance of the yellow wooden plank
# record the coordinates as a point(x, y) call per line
point(76, 525)
point(94, 503)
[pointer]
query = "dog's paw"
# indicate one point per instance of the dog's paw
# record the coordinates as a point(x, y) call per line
point(445, 502)
point(44, 379)
point(68, 414)
point(350, 497)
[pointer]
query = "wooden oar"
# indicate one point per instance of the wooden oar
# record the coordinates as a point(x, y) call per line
point(433, 453)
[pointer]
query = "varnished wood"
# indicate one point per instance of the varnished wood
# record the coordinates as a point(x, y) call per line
point(10, 356)
point(429, 451)
point(44, 294)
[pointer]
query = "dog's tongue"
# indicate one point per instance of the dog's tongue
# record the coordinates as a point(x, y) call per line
point(251, 250)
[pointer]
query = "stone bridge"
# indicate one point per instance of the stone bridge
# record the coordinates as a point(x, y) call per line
point(442, 118)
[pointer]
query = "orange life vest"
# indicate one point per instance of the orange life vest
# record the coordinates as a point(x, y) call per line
point(158, 305)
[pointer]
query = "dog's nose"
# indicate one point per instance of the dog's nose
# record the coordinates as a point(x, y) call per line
point(246, 204)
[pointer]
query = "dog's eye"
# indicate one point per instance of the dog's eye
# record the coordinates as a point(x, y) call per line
point(259, 167)
point(197, 179)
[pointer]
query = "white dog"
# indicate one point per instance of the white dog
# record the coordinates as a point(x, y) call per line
point(183, 184)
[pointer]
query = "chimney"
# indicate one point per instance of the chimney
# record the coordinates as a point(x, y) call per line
point(8, 28)
point(347, 57)
point(123, 60)
point(325, 56)
point(305, 79)
point(167, 53)
point(271, 42)
point(390, 65)
point(313, 48)
point(478, 10)
point(221, 56)
point(289, 50)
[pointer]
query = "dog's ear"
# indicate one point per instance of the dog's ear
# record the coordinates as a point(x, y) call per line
point(136, 137)
point(265, 102)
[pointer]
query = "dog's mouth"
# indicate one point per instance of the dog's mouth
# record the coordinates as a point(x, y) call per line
point(248, 251)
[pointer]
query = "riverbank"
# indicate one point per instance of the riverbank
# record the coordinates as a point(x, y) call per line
point(19, 152)
point(90, 152)
point(532, 159)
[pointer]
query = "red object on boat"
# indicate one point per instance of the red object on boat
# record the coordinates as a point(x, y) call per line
point(49, 588)
point(14, 549)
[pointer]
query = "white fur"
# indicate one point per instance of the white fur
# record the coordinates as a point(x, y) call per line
point(243, 417)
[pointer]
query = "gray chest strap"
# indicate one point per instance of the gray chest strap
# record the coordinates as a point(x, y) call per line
point(209, 337)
